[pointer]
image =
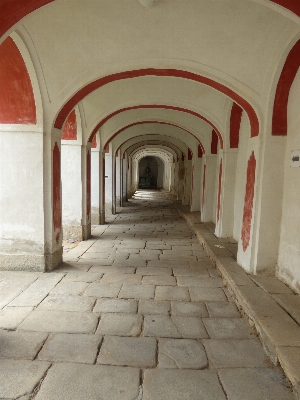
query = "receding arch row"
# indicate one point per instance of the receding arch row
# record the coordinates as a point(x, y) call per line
point(175, 73)
point(152, 122)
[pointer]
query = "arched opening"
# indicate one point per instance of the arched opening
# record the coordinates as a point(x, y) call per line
point(151, 171)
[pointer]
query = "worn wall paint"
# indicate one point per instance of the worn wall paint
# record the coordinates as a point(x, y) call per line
point(88, 184)
point(56, 191)
point(17, 104)
point(190, 154)
point(94, 142)
point(235, 123)
point(70, 127)
point(219, 191)
point(248, 204)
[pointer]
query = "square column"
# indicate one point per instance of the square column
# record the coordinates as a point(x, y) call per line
point(208, 187)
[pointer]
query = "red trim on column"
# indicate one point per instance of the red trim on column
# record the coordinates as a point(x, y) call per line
point(182, 157)
point(17, 104)
point(106, 147)
point(219, 191)
point(289, 71)
point(203, 186)
point(124, 156)
point(190, 154)
point(94, 142)
point(214, 143)
point(101, 123)
point(235, 123)
point(11, 11)
point(56, 191)
point(200, 151)
point(70, 128)
point(117, 153)
point(248, 203)
point(292, 5)
point(65, 110)
point(88, 184)
point(151, 122)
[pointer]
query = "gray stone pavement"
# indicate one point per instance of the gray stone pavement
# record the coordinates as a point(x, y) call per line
point(137, 312)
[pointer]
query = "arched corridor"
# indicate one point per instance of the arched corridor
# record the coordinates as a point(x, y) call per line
point(195, 100)
point(138, 311)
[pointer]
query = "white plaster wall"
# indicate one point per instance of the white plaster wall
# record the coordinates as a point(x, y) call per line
point(118, 182)
point(71, 184)
point(240, 177)
point(108, 179)
point(95, 180)
point(21, 193)
point(289, 248)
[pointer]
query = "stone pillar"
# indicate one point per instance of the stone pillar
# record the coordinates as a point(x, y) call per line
point(226, 191)
point(114, 184)
point(102, 188)
point(86, 191)
point(208, 187)
point(118, 179)
point(95, 185)
point(196, 184)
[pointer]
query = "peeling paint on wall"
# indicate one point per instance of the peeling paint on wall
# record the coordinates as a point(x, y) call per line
point(17, 104)
point(248, 204)
point(56, 191)
point(70, 127)
point(219, 191)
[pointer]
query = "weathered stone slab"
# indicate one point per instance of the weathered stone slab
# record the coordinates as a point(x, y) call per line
point(135, 352)
point(23, 345)
point(11, 317)
point(110, 269)
point(137, 291)
point(160, 326)
point(115, 306)
point(73, 265)
point(289, 358)
point(19, 377)
point(200, 282)
point(69, 288)
point(96, 289)
point(255, 384)
point(92, 382)
point(172, 293)
point(67, 303)
point(60, 321)
point(227, 328)
point(187, 308)
point(154, 271)
point(154, 307)
point(77, 348)
point(222, 309)
point(271, 284)
point(186, 271)
point(131, 279)
point(120, 324)
point(83, 276)
point(227, 353)
point(172, 384)
point(181, 353)
point(190, 327)
point(290, 303)
point(161, 280)
point(207, 294)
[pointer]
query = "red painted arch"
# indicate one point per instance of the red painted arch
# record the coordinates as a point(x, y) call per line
point(83, 92)
point(235, 123)
point(141, 148)
point(150, 122)
point(292, 5)
point(70, 127)
point(101, 123)
point(288, 73)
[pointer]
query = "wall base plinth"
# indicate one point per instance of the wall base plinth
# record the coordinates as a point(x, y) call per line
point(22, 262)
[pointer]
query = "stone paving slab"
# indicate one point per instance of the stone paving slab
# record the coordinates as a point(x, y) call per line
point(83, 276)
point(120, 324)
point(75, 348)
point(207, 294)
point(92, 382)
point(96, 289)
point(69, 288)
point(60, 321)
point(290, 303)
point(137, 291)
point(67, 303)
point(190, 327)
point(193, 272)
point(154, 271)
point(128, 351)
point(21, 345)
point(11, 317)
point(19, 377)
point(109, 269)
point(172, 384)
point(160, 326)
point(73, 266)
point(181, 354)
point(271, 284)
point(222, 309)
point(154, 307)
point(200, 282)
point(131, 279)
point(115, 306)
point(188, 308)
point(161, 280)
point(172, 293)
point(289, 358)
point(228, 328)
point(255, 384)
point(229, 353)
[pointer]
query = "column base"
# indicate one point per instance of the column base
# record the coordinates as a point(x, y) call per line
point(86, 231)
point(54, 260)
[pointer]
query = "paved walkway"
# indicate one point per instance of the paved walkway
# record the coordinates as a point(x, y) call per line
point(138, 312)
